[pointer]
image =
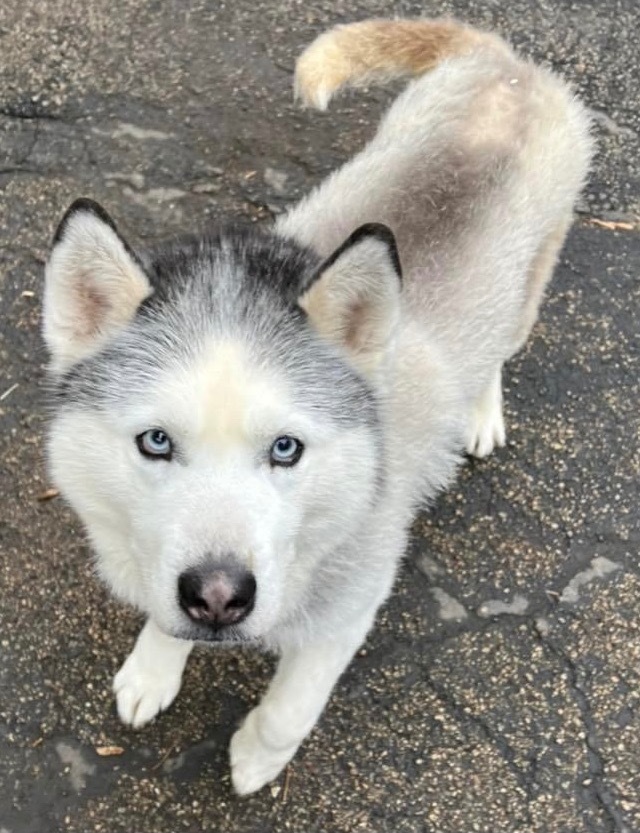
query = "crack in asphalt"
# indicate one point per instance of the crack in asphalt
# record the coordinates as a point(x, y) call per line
point(527, 777)
point(27, 112)
point(598, 789)
point(37, 128)
point(506, 752)
point(20, 170)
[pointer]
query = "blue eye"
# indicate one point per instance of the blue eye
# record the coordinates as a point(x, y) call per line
point(155, 443)
point(286, 451)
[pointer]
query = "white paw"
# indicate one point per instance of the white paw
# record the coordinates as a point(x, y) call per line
point(486, 426)
point(253, 764)
point(486, 431)
point(142, 692)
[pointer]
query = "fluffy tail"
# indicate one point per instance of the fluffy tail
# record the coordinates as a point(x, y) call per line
point(379, 50)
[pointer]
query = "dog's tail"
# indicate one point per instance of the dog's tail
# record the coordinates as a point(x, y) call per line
point(375, 51)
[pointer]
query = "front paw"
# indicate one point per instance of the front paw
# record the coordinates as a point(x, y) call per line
point(253, 763)
point(142, 692)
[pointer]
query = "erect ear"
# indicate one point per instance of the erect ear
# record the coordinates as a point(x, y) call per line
point(354, 299)
point(93, 285)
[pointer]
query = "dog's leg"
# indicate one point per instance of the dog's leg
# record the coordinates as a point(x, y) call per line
point(539, 276)
point(486, 429)
point(273, 730)
point(486, 425)
point(151, 675)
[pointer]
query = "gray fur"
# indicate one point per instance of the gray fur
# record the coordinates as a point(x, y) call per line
point(230, 340)
point(240, 282)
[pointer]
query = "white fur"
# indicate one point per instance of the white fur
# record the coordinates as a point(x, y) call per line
point(151, 520)
point(150, 678)
point(486, 428)
point(271, 733)
point(470, 238)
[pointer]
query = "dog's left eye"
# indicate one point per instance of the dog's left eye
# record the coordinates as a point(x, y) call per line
point(286, 451)
point(155, 443)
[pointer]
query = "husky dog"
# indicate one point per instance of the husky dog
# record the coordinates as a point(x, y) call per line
point(247, 422)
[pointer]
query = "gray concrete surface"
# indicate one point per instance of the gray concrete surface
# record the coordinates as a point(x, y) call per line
point(500, 689)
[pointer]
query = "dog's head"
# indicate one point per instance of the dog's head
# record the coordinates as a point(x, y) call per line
point(217, 424)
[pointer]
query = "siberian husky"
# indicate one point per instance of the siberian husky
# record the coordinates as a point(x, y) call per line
point(247, 422)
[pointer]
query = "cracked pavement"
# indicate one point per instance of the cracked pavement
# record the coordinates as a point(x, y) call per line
point(500, 689)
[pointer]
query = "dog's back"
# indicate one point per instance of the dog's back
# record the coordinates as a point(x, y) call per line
point(476, 168)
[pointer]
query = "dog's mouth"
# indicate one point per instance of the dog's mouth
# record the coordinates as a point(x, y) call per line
point(218, 636)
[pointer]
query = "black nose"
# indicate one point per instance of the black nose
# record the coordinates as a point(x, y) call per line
point(217, 595)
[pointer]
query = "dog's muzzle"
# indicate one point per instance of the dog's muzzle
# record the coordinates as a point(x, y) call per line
point(217, 595)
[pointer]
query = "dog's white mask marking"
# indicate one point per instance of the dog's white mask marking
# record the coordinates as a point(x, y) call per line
point(219, 405)
point(230, 400)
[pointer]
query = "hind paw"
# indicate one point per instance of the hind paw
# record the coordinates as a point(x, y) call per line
point(486, 428)
point(485, 433)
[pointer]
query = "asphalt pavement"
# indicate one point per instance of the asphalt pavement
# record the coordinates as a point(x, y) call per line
point(500, 689)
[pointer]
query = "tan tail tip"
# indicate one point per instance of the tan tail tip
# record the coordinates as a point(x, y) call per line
point(320, 72)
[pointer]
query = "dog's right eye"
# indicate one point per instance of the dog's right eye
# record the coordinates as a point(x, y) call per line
point(155, 443)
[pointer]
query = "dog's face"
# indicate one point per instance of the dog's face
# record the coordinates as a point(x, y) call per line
point(216, 424)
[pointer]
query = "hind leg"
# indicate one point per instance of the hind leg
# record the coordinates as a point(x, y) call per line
point(485, 429)
point(539, 276)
